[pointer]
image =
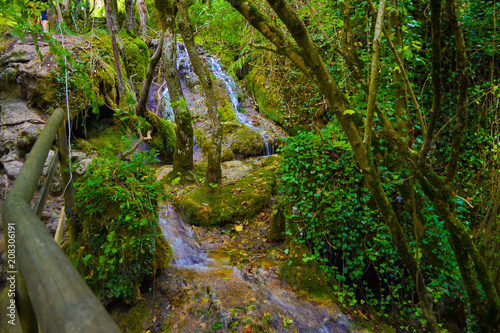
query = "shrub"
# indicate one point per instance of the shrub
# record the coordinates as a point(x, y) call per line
point(119, 243)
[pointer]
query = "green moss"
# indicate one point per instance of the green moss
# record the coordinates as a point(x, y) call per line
point(265, 98)
point(142, 46)
point(137, 59)
point(278, 224)
point(234, 202)
point(247, 143)
point(199, 135)
point(137, 319)
point(304, 276)
point(110, 139)
point(226, 111)
point(166, 132)
point(224, 107)
point(272, 160)
point(227, 155)
point(231, 127)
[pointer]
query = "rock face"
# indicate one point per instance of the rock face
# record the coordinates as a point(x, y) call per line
point(20, 128)
point(27, 92)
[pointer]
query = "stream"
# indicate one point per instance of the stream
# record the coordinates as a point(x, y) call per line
point(229, 298)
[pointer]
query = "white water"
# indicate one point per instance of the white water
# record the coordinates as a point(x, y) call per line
point(232, 91)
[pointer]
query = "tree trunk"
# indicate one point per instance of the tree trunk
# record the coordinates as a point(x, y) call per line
point(129, 9)
point(114, 11)
point(183, 155)
point(143, 14)
point(116, 55)
point(214, 171)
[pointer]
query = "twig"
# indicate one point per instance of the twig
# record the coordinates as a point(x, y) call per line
point(136, 145)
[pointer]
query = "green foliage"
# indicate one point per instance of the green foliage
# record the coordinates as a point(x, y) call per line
point(328, 208)
point(120, 243)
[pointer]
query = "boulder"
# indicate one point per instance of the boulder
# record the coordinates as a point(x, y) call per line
point(247, 143)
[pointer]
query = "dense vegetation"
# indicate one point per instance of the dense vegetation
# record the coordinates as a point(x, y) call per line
point(391, 172)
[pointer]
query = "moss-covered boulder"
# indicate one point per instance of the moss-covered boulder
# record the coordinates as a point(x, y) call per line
point(235, 202)
point(304, 275)
point(227, 155)
point(231, 127)
point(137, 56)
point(247, 143)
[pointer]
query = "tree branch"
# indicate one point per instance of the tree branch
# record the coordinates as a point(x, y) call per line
point(436, 76)
point(372, 90)
point(463, 84)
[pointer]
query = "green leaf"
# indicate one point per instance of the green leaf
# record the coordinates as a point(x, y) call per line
point(217, 325)
point(349, 112)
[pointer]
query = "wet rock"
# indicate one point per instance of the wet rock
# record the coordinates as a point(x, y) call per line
point(4, 186)
point(163, 171)
point(27, 135)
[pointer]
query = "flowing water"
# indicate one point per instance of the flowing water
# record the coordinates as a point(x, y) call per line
point(232, 91)
point(234, 298)
point(189, 79)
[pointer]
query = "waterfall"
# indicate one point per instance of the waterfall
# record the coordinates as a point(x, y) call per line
point(189, 78)
point(232, 91)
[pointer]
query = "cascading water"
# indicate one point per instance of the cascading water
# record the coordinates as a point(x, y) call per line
point(189, 78)
point(232, 91)
point(234, 293)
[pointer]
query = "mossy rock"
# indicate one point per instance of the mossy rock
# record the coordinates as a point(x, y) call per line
point(226, 111)
point(224, 107)
point(273, 160)
point(110, 139)
point(267, 99)
point(247, 143)
point(137, 59)
point(231, 127)
point(227, 155)
point(235, 202)
point(164, 139)
point(304, 276)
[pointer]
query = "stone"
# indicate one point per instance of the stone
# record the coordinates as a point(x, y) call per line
point(27, 135)
point(12, 168)
point(247, 143)
point(83, 166)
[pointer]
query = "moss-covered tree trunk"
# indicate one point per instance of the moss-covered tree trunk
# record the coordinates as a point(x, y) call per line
point(214, 171)
point(183, 154)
